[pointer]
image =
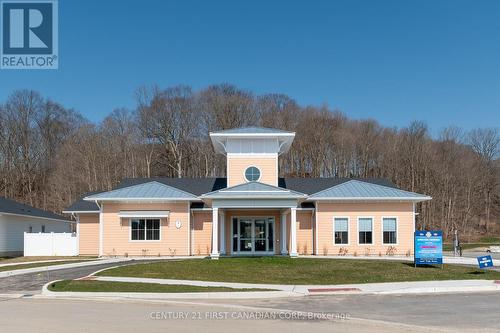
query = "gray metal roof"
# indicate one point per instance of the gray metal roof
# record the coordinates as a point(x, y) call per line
point(252, 130)
point(195, 186)
point(8, 206)
point(83, 206)
point(314, 185)
point(149, 190)
point(200, 186)
point(356, 190)
point(253, 190)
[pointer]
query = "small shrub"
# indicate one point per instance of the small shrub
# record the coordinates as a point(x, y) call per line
point(391, 250)
point(355, 253)
point(343, 251)
point(325, 250)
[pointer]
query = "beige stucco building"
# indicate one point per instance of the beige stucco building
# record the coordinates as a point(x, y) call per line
point(251, 212)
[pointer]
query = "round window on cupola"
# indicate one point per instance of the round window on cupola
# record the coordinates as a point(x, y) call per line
point(252, 174)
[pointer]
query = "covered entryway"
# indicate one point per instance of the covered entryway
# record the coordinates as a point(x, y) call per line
point(252, 235)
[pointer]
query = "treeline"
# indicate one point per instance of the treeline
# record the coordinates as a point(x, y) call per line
point(50, 155)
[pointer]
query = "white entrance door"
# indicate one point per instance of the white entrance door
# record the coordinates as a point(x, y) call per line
point(253, 235)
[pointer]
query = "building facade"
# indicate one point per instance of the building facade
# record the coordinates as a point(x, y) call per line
point(17, 218)
point(250, 212)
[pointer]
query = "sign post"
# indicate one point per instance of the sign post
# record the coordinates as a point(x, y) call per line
point(428, 247)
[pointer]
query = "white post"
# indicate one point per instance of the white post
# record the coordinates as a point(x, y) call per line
point(222, 233)
point(283, 234)
point(215, 233)
point(101, 229)
point(293, 232)
point(78, 234)
point(316, 233)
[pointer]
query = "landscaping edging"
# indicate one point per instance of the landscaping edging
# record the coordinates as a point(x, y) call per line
point(166, 296)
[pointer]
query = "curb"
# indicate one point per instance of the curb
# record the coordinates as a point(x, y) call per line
point(167, 296)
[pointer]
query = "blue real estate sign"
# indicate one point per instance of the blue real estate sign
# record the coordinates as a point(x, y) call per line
point(429, 247)
point(485, 261)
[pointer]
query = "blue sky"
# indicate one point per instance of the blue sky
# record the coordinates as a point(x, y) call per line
point(394, 61)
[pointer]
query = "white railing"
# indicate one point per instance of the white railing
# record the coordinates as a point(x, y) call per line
point(50, 244)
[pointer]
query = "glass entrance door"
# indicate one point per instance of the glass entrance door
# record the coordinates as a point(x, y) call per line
point(253, 235)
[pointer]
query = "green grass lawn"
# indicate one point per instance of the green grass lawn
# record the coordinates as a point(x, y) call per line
point(282, 270)
point(38, 264)
point(106, 286)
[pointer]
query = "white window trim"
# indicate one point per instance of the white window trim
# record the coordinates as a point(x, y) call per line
point(245, 171)
point(373, 231)
point(142, 240)
point(382, 229)
point(348, 230)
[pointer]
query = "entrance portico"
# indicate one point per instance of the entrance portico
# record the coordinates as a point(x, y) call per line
point(254, 231)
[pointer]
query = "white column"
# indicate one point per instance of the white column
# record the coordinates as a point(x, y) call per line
point(222, 233)
point(293, 232)
point(101, 229)
point(215, 233)
point(283, 234)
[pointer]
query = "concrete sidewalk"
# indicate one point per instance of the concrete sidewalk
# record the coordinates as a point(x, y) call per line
point(417, 287)
point(91, 262)
point(57, 267)
point(19, 263)
point(446, 259)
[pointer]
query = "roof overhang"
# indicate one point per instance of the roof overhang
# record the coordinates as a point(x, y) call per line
point(143, 213)
point(371, 199)
point(142, 200)
point(254, 203)
point(80, 212)
point(219, 140)
point(37, 217)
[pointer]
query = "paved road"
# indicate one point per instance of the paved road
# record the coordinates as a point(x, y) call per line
point(449, 313)
point(32, 283)
point(54, 316)
point(468, 311)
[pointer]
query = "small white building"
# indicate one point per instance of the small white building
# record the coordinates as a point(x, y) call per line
point(17, 218)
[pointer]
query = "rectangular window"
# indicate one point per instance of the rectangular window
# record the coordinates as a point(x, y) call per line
point(389, 230)
point(341, 230)
point(365, 230)
point(43, 227)
point(145, 229)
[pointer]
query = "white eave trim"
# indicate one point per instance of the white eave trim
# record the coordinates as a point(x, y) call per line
point(253, 135)
point(144, 213)
point(141, 199)
point(253, 197)
point(80, 211)
point(370, 199)
point(37, 217)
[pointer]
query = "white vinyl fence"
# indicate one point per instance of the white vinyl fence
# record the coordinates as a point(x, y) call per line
point(50, 244)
